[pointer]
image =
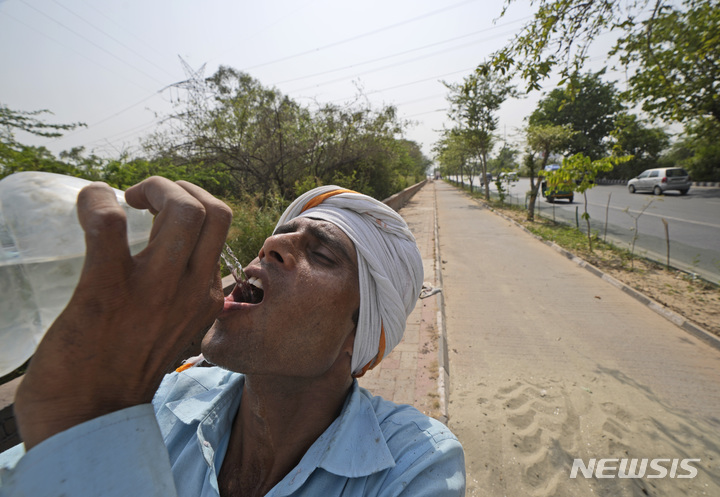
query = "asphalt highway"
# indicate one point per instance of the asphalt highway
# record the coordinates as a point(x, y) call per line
point(693, 222)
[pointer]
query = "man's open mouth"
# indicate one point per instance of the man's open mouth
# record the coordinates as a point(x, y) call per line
point(248, 292)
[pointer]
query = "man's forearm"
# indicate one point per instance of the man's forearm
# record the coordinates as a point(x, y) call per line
point(118, 454)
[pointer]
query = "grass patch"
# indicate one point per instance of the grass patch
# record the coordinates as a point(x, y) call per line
point(565, 236)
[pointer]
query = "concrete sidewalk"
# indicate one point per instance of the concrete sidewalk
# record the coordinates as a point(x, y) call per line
point(551, 363)
point(411, 373)
point(416, 371)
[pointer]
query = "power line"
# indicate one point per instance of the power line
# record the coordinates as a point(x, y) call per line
point(89, 41)
point(374, 70)
point(398, 54)
point(426, 112)
point(417, 81)
point(122, 28)
point(106, 118)
point(369, 93)
point(113, 38)
point(128, 132)
point(276, 20)
point(416, 100)
point(392, 66)
point(360, 36)
point(54, 40)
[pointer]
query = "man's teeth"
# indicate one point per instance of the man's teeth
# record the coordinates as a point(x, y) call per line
point(255, 282)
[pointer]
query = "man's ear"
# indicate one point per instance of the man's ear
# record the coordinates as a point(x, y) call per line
point(351, 338)
point(349, 344)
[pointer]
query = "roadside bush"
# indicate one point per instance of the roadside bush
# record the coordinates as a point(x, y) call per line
point(254, 218)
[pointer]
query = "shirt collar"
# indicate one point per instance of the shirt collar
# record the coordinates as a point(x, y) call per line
point(352, 446)
point(208, 391)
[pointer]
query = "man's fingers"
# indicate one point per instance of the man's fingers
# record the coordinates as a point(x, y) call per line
point(214, 231)
point(105, 226)
point(178, 222)
point(142, 197)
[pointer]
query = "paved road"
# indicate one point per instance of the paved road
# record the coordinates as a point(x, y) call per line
point(693, 222)
point(549, 363)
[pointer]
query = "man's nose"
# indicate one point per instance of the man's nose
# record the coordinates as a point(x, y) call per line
point(280, 249)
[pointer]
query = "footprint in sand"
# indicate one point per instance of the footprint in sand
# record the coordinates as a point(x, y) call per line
point(544, 434)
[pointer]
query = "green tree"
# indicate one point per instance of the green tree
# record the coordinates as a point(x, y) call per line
point(366, 145)
point(587, 104)
point(413, 163)
point(697, 150)
point(670, 49)
point(230, 120)
point(677, 53)
point(560, 34)
point(18, 120)
point(544, 140)
point(28, 158)
point(581, 171)
point(505, 160)
point(473, 105)
point(269, 143)
point(632, 136)
point(451, 153)
point(15, 156)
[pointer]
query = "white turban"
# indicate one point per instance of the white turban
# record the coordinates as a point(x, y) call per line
point(390, 269)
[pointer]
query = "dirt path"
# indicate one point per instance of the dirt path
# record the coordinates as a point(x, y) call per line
point(549, 364)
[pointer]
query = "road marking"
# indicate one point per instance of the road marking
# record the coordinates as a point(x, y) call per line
point(701, 223)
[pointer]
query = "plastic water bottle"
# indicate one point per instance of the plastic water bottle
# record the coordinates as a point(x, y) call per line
point(42, 249)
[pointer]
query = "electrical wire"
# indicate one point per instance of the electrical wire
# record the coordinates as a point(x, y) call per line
point(360, 36)
point(103, 120)
point(122, 28)
point(397, 64)
point(398, 54)
point(90, 41)
point(54, 40)
point(130, 49)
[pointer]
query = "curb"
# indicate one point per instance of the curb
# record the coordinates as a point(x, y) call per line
point(443, 359)
point(675, 318)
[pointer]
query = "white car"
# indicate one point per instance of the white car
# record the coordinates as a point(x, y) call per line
point(661, 180)
point(511, 176)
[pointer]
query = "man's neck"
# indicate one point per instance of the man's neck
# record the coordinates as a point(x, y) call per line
point(278, 420)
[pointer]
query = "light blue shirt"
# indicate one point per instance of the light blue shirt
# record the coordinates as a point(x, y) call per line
point(373, 448)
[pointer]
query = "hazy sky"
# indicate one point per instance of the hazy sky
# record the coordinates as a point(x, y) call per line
point(108, 64)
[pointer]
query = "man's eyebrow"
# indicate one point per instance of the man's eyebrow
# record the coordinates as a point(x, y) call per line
point(322, 235)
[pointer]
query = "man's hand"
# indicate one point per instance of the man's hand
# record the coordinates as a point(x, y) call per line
point(129, 317)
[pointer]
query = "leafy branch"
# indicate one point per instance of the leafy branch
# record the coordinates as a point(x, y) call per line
point(580, 172)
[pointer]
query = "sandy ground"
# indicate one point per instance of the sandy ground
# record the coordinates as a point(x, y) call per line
point(532, 428)
point(549, 364)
